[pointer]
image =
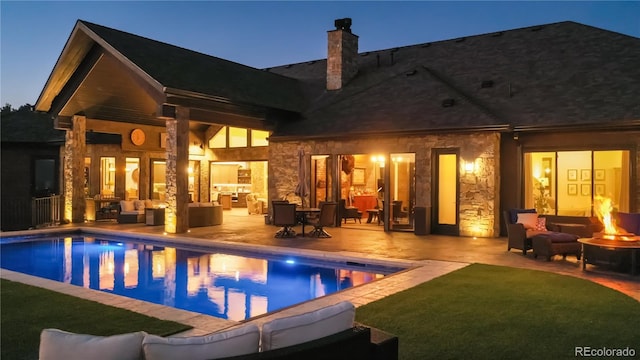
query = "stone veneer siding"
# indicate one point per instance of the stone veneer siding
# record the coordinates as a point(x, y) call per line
point(479, 192)
point(73, 165)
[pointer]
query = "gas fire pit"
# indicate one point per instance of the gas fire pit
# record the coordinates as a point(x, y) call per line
point(613, 246)
point(614, 252)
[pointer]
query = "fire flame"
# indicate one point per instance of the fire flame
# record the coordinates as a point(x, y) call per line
point(603, 208)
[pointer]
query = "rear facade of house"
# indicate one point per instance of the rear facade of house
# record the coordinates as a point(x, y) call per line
point(436, 137)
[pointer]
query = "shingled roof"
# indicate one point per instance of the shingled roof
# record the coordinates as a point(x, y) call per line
point(183, 69)
point(561, 75)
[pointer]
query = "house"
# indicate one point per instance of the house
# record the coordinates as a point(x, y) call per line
point(440, 135)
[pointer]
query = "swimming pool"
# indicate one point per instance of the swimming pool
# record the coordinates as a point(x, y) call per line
point(225, 284)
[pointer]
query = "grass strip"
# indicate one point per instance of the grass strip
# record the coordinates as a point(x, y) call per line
point(25, 310)
point(495, 312)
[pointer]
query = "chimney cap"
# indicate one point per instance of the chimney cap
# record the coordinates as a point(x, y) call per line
point(343, 24)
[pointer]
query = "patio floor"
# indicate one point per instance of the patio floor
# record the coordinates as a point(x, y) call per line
point(428, 257)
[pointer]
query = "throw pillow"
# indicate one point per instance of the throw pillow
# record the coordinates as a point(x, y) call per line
point(309, 326)
point(541, 224)
point(241, 340)
point(148, 204)
point(62, 345)
point(139, 204)
point(529, 220)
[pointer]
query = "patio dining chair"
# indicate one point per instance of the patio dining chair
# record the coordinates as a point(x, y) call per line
point(284, 214)
point(327, 218)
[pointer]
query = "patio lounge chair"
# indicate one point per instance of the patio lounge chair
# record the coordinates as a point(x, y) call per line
point(537, 236)
point(516, 233)
point(326, 218)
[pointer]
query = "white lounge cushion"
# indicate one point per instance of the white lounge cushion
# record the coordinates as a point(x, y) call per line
point(127, 206)
point(62, 345)
point(529, 220)
point(237, 341)
point(309, 326)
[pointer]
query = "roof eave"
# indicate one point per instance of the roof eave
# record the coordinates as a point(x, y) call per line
point(404, 133)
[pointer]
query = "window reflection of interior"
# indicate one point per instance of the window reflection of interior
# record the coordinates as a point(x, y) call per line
point(566, 182)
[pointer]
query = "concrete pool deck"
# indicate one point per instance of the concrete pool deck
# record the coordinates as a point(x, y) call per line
point(426, 258)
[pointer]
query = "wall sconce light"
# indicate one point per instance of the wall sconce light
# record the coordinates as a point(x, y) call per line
point(379, 160)
point(469, 167)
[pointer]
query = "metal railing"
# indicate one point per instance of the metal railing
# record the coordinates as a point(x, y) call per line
point(46, 211)
point(22, 213)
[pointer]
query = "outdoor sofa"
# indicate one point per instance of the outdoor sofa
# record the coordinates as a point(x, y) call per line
point(326, 333)
point(205, 214)
point(133, 211)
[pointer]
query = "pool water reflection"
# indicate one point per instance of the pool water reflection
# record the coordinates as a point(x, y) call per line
point(224, 285)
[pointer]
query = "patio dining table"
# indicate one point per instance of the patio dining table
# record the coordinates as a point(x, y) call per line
point(304, 212)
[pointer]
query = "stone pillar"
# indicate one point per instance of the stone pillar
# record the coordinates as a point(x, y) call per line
point(73, 163)
point(177, 211)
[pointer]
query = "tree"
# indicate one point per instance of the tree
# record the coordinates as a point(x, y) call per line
point(6, 109)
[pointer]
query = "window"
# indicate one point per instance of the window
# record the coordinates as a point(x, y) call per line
point(237, 137)
point(132, 169)
point(259, 138)
point(158, 180)
point(568, 182)
point(45, 183)
point(219, 140)
point(107, 176)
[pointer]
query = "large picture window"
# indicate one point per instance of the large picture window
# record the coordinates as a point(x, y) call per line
point(568, 182)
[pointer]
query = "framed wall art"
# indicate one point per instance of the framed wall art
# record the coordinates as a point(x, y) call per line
point(572, 189)
point(585, 189)
point(599, 175)
point(572, 174)
point(358, 176)
point(585, 175)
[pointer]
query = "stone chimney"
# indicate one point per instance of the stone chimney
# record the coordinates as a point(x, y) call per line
point(342, 55)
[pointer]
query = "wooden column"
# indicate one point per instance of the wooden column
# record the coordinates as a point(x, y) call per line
point(177, 211)
point(73, 166)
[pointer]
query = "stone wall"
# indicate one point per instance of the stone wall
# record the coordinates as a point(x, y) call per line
point(479, 191)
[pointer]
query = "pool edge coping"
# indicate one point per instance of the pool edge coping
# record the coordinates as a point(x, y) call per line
point(415, 272)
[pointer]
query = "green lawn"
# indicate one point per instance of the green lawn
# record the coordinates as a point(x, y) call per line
point(26, 310)
point(493, 312)
point(479, 312)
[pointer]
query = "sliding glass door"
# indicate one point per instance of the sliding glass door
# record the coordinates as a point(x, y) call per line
point(568, 182)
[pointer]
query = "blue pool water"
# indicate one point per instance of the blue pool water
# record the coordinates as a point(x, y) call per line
point(208, 281)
